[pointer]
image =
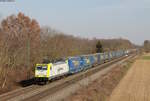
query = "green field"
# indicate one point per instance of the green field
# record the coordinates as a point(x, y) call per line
point(146, 57)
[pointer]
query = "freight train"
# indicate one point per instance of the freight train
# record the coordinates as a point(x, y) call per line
point(49, 71)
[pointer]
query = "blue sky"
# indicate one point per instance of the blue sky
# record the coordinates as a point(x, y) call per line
point(128, 19)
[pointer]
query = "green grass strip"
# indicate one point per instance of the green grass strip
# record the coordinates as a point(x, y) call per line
point(146, 57)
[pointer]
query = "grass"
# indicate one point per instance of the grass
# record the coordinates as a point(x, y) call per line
point(146, 57)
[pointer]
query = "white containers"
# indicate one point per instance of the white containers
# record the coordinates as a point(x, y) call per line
point(58, 69)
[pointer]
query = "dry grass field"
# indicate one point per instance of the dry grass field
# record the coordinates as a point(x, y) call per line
point(135, 86)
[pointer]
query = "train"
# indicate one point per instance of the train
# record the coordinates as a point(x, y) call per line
point(45, 72)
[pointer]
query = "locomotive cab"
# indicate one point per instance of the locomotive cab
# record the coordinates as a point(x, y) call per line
point(42, 72)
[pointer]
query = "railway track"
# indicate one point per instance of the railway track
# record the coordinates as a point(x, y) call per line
point(17, 92)
point(35, 92)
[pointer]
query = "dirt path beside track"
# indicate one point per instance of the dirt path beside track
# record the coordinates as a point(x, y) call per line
point(135, 86)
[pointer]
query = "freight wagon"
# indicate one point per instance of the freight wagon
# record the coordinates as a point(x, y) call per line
point(86, 61)
point(75, 64)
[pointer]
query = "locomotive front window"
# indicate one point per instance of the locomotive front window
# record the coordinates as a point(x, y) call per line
point(44, 68)
point(41, 67)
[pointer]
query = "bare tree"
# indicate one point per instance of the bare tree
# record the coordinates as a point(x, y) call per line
point(20, 38)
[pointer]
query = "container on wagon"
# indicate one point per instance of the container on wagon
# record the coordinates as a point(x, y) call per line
point(92, 60)
point(96, 58)
point(76, 64)
point(86, 61)
point(102, 57)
